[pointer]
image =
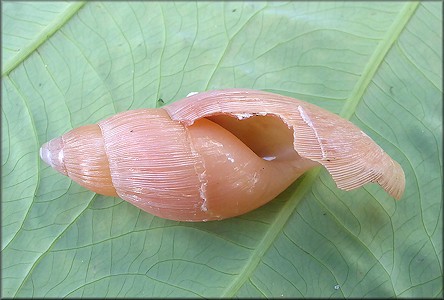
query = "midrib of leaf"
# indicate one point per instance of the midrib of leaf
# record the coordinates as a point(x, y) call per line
point(348, 110)
point(43, 36)
point(273, 231)
point(377, 58)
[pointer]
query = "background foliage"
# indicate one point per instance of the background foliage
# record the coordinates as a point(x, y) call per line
point(66, 64)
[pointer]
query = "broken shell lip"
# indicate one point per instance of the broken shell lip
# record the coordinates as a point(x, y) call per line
point(318, 134)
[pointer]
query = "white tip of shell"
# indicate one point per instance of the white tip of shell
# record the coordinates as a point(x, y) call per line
point(45, 154)
point(52, 154)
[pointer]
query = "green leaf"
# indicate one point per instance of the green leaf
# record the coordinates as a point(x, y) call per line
point(69, 64)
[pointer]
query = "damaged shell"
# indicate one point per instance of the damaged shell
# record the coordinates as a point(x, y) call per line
point(218, 154)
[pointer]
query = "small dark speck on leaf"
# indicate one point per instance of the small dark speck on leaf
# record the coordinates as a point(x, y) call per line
point(324, 214)
point(161, 100)
point(234, 10)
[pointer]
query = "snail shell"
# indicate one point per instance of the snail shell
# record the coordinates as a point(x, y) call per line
point(218, 154)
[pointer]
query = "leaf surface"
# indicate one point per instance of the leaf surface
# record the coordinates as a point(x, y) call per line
point(69, 64)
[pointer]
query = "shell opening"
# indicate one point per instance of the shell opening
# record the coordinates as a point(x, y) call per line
point(266, 135)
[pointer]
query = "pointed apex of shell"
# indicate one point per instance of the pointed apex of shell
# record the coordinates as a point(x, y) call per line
point(52, 154)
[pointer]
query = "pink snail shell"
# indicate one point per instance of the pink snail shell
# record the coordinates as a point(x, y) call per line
point(218, 154)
